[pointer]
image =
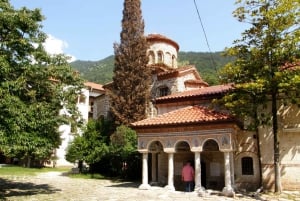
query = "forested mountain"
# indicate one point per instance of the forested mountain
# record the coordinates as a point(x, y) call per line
point(207, 64)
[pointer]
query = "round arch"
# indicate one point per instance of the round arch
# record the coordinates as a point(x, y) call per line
point(155, 146)
point(213, 161)
point(182, 146)
point(210, 144)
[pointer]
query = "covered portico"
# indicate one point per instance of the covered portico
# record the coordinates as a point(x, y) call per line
point(208, 140)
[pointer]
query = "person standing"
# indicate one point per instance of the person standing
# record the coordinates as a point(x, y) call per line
point(187, 176)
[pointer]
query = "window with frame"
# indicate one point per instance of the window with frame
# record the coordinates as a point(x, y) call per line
point(163, 91)
point(247, 166)
point(81, 98)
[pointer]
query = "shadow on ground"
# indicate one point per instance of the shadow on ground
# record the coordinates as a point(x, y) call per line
point(125, 185)
point(10, 188)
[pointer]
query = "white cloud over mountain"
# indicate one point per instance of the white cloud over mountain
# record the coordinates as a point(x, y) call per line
point(54, 46)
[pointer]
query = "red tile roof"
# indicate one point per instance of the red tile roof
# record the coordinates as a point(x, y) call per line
point(205, 91)
point(159, 37)
point(93, 85)
point(291, 66)
point(187, 115)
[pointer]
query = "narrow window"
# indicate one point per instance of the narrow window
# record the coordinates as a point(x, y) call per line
point(159, 57)
point(164, 91)
point(151, 57)
point(247, 166)
point(173, 61)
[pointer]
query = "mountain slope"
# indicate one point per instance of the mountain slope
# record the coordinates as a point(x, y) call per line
point(207, 65)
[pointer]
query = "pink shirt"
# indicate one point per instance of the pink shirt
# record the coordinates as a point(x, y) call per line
point(187, 173)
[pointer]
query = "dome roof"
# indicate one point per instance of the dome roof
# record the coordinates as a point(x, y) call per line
point(161, 38)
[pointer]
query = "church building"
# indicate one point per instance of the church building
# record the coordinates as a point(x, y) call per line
point(183, 126)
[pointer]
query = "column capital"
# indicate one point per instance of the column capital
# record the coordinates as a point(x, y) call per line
point(195, 150)
point(169, 150)
point(226, 150)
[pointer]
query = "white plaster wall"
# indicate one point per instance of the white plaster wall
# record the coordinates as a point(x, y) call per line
point(289, 145)
point(84, 107)
point(180, 82)
point(66, 134)
point(67, 138)
point(167, 50)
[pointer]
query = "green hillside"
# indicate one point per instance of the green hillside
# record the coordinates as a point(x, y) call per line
point(206, 63)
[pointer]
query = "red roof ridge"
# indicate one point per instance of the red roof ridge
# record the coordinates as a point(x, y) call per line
point(186, 115)
point(94, 85)
point(210, 90)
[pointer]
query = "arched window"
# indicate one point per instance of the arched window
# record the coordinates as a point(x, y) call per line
point(173, 61)
point(159, 57)
point(168, 59)
point(151, 57)
point(247, 166)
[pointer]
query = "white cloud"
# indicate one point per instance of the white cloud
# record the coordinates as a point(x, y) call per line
point(56, 46)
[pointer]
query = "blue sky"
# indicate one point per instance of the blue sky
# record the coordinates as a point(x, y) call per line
point(87, 29)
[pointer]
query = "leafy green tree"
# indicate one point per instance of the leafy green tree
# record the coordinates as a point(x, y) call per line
point(265, 70)
point(33, 87)
point(92, 145)
point(123, 141)
point(123, 149)
point(131, 81)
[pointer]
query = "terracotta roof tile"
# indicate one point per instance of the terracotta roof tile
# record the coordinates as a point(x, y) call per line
point(212, 90)
point(291, 66)
point(94, 86)
point(187, 115)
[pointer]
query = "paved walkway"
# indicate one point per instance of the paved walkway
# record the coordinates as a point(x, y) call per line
point(55, 186)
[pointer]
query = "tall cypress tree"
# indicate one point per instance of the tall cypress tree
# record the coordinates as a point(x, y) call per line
point(130, 88)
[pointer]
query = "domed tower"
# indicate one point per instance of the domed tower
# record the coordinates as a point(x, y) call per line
point(162, 50)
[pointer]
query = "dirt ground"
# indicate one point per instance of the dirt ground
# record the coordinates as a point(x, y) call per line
point(57, 186)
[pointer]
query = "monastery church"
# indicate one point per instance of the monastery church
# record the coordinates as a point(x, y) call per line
point(182, 126)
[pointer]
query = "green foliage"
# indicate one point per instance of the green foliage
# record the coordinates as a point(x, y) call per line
point(92, 145)
point(207, 64)
point(259, 73)
point(261, 54)
point(123, 141)
point(129, 93)
point(32, 87)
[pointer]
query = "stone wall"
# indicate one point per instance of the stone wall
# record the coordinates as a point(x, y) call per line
point(289, 138)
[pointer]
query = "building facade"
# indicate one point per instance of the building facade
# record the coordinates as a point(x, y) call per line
point(91, 104)
point(183, 126)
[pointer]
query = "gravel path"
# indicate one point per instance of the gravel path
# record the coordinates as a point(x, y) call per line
point(55, 186)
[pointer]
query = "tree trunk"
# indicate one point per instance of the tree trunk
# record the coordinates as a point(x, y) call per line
point(28, 161)
point(278, 187)
point(255, 110)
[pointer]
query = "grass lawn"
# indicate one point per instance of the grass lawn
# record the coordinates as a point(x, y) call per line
point(21, 171)
point(11, 170)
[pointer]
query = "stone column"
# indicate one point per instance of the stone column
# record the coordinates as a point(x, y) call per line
point(170, 185)
point(227, 190)
point(198, 186)
point(145, 185)
point(232, 170)
point(154, 167)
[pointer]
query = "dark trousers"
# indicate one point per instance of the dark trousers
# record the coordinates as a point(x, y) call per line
point(189, 186)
